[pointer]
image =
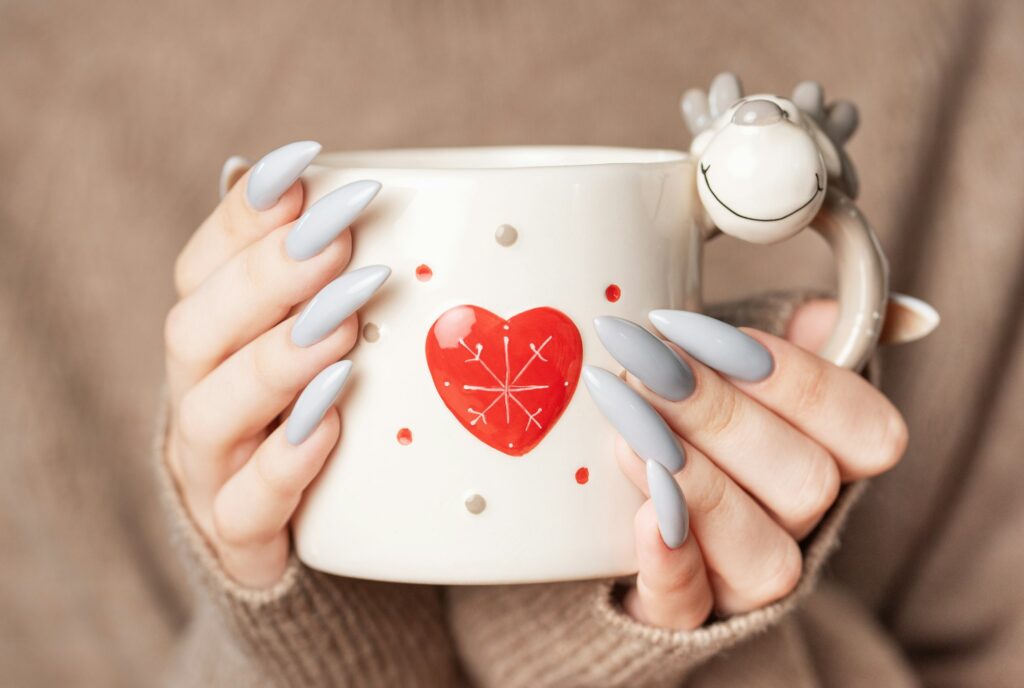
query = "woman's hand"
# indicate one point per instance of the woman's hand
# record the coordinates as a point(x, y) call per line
point(237, 355)
point(768, 430)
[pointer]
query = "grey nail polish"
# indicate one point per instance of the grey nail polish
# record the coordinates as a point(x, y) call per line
point(335, 302)
point(277, 171)
point(640, 425)
point(314, 401)
point(646, 357)
point(716, 344)
point(669, 505)
point(233, 168)
point(329, 217)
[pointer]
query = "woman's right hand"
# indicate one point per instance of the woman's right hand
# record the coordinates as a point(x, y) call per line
point(238, 352)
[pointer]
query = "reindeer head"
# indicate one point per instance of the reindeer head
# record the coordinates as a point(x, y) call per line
point(764, 162)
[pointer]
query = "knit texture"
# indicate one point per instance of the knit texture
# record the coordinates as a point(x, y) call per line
point(314, 629)
point(591, 641)
point(118, 115)
point(309, 629)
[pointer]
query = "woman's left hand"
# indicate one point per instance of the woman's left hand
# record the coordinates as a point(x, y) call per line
point(769, 432)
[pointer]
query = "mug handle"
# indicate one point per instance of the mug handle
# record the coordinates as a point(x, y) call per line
point(862, 274)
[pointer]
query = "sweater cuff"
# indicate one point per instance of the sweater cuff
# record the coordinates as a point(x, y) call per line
point(310, 628)
point(577, 634)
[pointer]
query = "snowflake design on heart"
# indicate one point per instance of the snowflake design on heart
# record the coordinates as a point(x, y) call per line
point(505, 386)
point(509, 408)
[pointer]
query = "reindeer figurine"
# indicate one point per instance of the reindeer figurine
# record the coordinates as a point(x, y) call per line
point(768, 167)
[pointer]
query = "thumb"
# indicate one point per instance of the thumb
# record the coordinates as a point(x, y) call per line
point(906, 320)
point(812, 323)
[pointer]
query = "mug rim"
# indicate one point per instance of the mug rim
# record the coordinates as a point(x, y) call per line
point(500, 158)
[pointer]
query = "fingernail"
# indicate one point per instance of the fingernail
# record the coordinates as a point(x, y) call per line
point(231, 171)
point(314, 401)
point(716, 344)
point(335, 302)
point(669, 505)
point(329, 217)
point(640, 425)
point(646, 357)
point(277, 171)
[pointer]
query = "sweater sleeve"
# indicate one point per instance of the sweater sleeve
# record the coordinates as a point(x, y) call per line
point(310, 629)
point(577, 633)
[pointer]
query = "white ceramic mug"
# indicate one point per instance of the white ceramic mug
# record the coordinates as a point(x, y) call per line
point(468, 454)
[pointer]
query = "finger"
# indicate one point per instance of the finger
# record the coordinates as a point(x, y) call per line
point(672, 589)
point(836, 407)
point(265, 198)
point(751, 561)
point(789, 473)
point(251, 293)
point(252, 510)
point(246, 393)
point(812, 323)
point(258, 287)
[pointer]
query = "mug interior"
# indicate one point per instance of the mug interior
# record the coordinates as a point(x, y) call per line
point(499, 157)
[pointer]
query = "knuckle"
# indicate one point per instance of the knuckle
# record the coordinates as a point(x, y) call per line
point(720, 411)
point(711, 494)
point(233, 216)
point(688, 573)
point(176, 333)
point(818, 491)
point(182, 281)
point(782, 574)
point(253, 269)
point(282, 480)
point(190, 419)
point(810, 390)
point(229, 527)
point(266, 367)
point(893, 442)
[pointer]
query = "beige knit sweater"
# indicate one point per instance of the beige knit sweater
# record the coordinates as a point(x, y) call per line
point(115, 116)
point(316, 629)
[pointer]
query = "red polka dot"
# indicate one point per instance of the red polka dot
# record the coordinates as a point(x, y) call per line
point(582, 475)
point(613, 293)
point(405, 436)
point(424, 273)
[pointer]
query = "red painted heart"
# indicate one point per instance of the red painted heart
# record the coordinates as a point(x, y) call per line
point(506, 381)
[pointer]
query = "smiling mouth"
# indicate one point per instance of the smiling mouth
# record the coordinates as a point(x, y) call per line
point(817, 190)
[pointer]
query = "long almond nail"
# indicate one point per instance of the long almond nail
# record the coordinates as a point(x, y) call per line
point(716, 344)
point(233, 168)
point(646, 357)
point(335, 302)
point(276, 171)
point(314, 401)
point(329, 217)
point(643, 428)
point(669, 505)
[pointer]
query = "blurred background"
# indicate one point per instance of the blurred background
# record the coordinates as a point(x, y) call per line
point(115, 118)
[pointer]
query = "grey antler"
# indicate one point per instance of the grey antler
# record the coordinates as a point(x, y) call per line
point(700, 109)
point(838, 120)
